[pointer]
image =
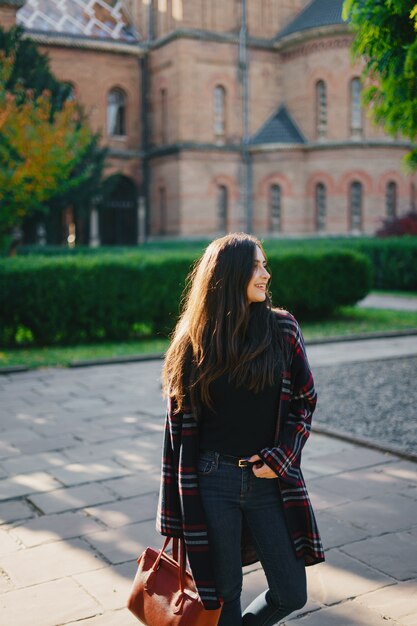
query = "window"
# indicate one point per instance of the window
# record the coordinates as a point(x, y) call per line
point(219, 126)
point(321, 206)
point(164, 118)
point(355, 107)
point(116, 113)
point(321, 109)
point(356, 206)
point(222, 207)
point(275, 210)
point(391, 200)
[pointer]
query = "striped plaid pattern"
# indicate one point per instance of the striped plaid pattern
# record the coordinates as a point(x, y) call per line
point(180, 511)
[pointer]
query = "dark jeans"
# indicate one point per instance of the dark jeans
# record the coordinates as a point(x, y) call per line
point(230, 493)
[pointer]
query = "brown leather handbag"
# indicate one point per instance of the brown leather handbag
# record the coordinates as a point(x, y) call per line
point(164, 593)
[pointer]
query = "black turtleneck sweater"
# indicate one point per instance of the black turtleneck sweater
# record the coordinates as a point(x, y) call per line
point(242, 422)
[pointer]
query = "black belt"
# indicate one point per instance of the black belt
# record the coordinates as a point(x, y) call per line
point(234, 460)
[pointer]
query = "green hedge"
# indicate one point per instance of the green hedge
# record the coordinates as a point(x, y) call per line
point(80, 299)
point(393, 260)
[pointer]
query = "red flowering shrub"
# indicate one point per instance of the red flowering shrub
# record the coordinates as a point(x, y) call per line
point(399, 226)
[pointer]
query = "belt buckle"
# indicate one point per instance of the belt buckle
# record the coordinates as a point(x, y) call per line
point(243, 463)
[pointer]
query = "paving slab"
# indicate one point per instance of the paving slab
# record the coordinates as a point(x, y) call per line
point(78, 473)
point(126, 543)
point(341, 461)
point(405, 470)
point(394, 554)
point(110, 586)
point(139, 483)
point(8, 543)
point(7, 451)
point(346, 614)
point(72, 498)
point(381, 515)
point(336, 531)
point(123, 617)
point(342, 577)
point(24, 484)
point(128, 511)
point(53, 561)
point(49, 528)
point(398, 602)
point(33, 462)
point(46, 444)
point(359, 484)
point(12, 510)
point(51, 604)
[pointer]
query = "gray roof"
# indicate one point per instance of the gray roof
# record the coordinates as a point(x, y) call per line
point(279, 128)
point(317, 13)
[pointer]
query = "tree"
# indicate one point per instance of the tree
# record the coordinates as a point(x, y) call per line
point(386, 38)
point(38, 150)
point(30, 78)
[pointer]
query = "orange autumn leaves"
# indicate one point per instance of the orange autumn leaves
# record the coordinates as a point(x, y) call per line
point(38, 151)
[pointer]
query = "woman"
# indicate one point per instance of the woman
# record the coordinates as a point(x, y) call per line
point(240, 401)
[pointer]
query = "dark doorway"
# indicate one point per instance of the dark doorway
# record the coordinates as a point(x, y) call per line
point(118, 212)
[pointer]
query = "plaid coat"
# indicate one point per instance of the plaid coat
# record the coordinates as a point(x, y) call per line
point(180, 511)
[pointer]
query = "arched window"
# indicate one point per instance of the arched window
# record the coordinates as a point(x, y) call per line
point(391, 200)
point(164, 116)
point(222, 207)
point(116, 113)
point(321, 109)
point(321, 207)
point(355, 108)
point(219, 122)
point(355, 208)
point(275, 198)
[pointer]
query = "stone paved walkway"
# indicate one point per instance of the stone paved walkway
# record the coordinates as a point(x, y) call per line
point(79, 474)
point(395, 303)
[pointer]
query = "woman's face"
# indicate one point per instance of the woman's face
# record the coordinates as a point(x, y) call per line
point(256, 290)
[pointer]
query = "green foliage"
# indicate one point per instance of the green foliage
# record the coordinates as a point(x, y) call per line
point(88, 298)
point(38, 151)
point(386, 37)
point(394, 262)
point(31, 72)
point(314, 284)
point(28, 86)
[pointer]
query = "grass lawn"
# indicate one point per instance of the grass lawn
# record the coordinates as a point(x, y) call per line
point(349, 320)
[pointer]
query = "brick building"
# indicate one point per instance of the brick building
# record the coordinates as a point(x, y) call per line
point(222, 116)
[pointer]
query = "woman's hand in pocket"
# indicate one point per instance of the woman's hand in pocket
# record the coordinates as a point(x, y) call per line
point(260, 469)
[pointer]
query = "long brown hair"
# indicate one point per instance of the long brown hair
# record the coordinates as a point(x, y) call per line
point(218, 330)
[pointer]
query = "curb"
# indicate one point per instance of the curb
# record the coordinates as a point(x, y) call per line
point(15, 369)
point(364, 442)
point(118, 360)
point(409, 332)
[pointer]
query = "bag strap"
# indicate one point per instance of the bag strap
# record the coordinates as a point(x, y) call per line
point(178, 546)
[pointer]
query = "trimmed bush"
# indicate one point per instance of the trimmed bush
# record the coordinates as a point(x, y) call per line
point(79, 299)
point(311, 285)
point(394, 262)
